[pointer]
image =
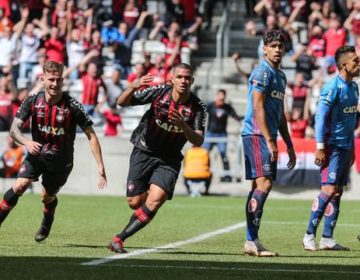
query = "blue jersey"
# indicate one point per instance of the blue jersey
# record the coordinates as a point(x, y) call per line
point(271, 82)
point(335, 118)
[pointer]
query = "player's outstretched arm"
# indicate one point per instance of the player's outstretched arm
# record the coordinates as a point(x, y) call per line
point(284, 132)
point(33, 147)
point(126, 96)
point(96, 151)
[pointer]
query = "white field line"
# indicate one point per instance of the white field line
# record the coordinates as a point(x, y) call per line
point(178, 244)
point(234, 268)
point(305, 223)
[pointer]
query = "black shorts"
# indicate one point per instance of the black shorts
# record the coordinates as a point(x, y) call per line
point(52, 180)
point(147, 168)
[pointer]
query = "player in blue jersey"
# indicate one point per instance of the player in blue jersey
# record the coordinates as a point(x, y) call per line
point(335, 121)
point(263, 119)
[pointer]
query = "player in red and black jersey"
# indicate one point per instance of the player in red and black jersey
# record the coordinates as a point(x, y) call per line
point(175, 116)
point(54, 117)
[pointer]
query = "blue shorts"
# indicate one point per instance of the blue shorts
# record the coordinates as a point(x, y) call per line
point(257, 158)
point(336, 169)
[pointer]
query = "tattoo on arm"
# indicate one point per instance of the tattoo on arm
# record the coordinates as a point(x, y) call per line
point(15, 130)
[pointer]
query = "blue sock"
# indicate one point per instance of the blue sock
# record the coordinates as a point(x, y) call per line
point(330, 217)
point(317, 211)
point(254, 210)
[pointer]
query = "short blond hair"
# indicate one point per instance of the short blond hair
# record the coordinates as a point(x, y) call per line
point(53, 66)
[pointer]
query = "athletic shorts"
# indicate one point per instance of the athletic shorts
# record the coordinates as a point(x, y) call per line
point(52, 180)
point(257, 158)
point(147, 168)
point(336, 169)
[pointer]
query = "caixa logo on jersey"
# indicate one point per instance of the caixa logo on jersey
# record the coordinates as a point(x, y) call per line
point(168, 127)
point(51, 130)
point(277, 94)
point(350, 110)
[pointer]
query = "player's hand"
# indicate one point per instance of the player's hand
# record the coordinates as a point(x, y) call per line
point(272, 149)
point(144, 81)
point(292, 158)
point(320, 157)
point(102, 179)
point(33, 147)
point(176, 118)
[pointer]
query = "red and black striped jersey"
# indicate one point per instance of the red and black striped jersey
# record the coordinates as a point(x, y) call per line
point(54, 126)
point(155, 133)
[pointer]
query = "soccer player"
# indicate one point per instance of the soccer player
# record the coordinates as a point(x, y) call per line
point(175, 116)
point(264, 117)
point(335, 121)
point(54, 117)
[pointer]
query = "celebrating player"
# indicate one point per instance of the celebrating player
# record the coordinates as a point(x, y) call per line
point(175, 116)
point(54, 117)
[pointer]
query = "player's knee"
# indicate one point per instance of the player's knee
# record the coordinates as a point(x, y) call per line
point(46, 199)
point(21, 185)
point(264, 184)
point(134, 202)
point(329, 190)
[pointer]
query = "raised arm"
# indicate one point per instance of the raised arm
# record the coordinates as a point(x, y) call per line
point(19, 27)
point(85, 60)
point(125, 97)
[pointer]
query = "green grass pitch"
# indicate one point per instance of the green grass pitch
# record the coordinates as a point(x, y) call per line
point(84, 225)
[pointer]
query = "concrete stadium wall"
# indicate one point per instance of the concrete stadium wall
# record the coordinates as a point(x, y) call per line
point(116, 153)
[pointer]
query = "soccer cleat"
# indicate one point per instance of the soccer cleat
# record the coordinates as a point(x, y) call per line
point(42, 233)
point(255, 248)
point(117, 245)
point(309, 242)
point(358, 237)
point(44, 229)
point(330, 244)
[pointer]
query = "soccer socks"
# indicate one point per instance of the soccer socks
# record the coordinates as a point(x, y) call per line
point(331, 215)
point(9, 201)
point(138, 220)
point(49, 212)
point(317, 211)
point(254, 210)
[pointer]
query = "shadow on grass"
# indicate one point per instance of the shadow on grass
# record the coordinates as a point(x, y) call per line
point(71, 268)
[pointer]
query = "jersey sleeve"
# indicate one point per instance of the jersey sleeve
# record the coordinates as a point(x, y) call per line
point(147, 95)
point(200, 117)
point(24, 111)
point(81, 118)
point(260, 80)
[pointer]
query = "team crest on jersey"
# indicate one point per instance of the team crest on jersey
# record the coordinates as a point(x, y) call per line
point(60, 118)
point(329, 210)
point(252, 205)
point(315, 205)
